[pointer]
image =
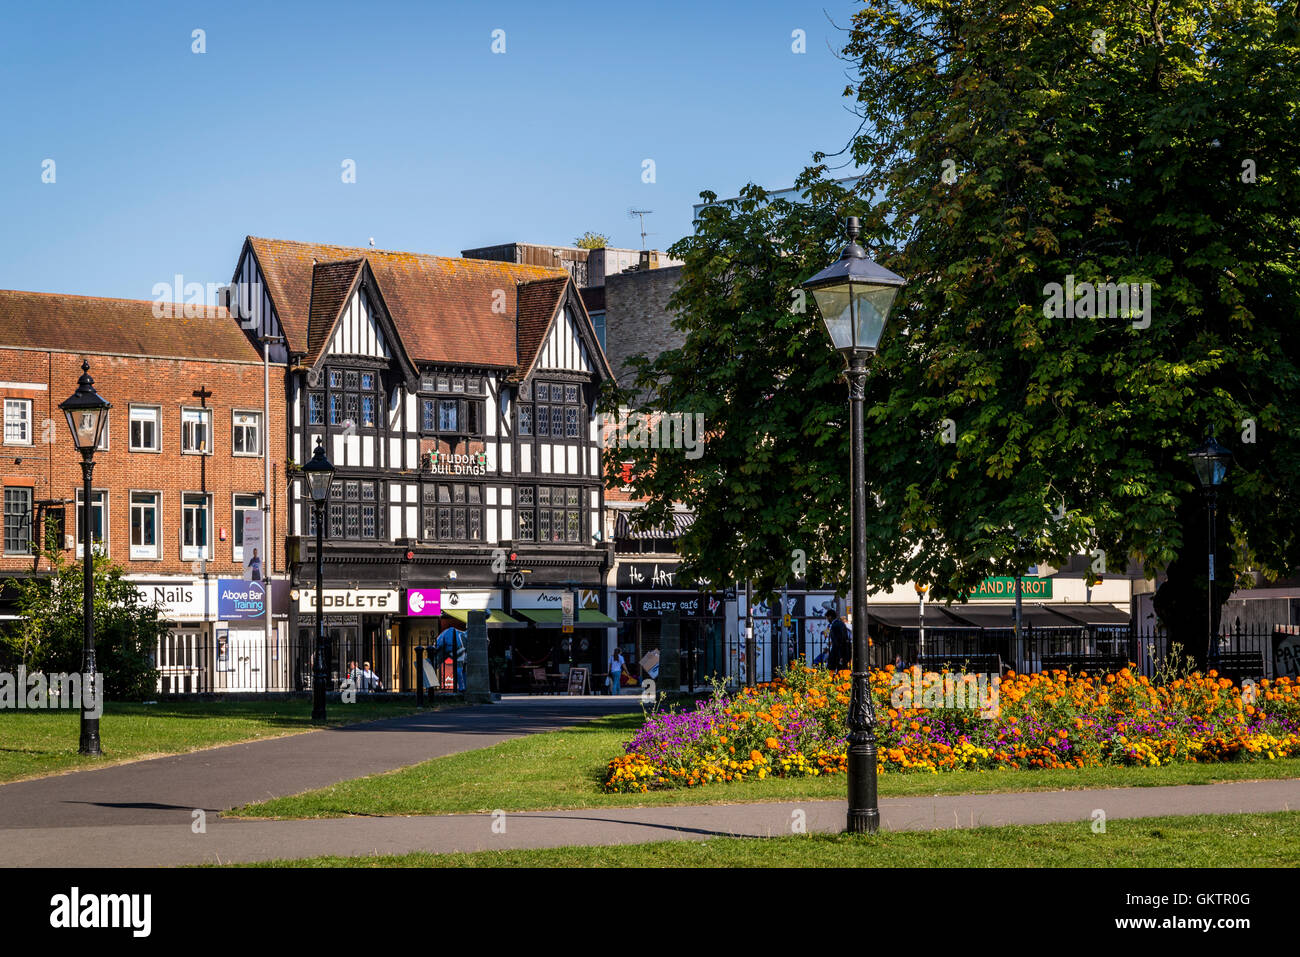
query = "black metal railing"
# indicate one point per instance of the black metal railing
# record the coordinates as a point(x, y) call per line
point(250, 662)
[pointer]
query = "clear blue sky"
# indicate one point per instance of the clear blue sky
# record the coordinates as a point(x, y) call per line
point(165, 159)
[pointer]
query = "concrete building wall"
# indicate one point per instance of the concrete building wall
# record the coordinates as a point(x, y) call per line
point(637, 320)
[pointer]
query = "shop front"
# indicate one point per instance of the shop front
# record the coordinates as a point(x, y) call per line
point(648, 594)
point(358, 625)
point(217, 637)
point(543, 655)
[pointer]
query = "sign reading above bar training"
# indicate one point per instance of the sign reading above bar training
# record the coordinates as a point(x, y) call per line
point(1003, 588)
point(239, 600)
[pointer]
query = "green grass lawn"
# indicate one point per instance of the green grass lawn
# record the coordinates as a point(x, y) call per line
point(562, 769)
point(1238, 840)
point(34, 743)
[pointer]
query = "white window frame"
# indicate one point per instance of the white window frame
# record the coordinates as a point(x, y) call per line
point(26, 404)
point(100, 547)
point(145, 552)
point(207, 414)
point(193, 553)
point(257, 414)
point(31, 517)
point(237, 522)
point(157, 428)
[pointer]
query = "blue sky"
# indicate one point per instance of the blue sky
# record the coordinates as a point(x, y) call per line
point(165, 159)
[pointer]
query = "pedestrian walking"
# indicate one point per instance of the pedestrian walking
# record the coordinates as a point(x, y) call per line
point(841, 653)
point(616, 670)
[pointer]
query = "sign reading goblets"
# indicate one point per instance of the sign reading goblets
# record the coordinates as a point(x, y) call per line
point(371, 600)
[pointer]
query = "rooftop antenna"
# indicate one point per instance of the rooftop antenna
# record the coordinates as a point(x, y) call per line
point(642, 214)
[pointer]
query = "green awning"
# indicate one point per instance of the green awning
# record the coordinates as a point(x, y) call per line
point(552, 617)
point(495, 617)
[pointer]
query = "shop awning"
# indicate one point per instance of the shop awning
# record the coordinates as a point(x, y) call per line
point(1090, 614)
point(496, 617)
point(990, 615)
point(552, 617)
point(623, 529)
point(907, 616)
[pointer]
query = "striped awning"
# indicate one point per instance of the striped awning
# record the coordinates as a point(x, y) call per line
point(496, 617)
point(553, 617)
point(623, 527)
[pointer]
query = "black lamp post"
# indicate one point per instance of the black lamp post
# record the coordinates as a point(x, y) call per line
point(320, 475)
point(855, 296)
point(87, 413)
point(1211, 462)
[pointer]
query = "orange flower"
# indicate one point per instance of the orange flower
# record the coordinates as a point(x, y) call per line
point(756, 757)
point(772, 744)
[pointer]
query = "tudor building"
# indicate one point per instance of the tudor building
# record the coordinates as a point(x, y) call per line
point(455, 399)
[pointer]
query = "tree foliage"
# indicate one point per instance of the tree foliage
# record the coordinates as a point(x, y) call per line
point(48, 637)
point(590, 240)
point(1008, 146)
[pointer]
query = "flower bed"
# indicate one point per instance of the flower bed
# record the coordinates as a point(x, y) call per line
point(796, 726)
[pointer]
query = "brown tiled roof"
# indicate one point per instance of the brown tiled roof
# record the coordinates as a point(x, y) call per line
point(538, 301)
point(331, 284)
point(93, 326)
point(442, 307)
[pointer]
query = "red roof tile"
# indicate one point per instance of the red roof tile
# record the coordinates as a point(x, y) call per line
point(331, 284)
point(446, 310)
point(538, 301)
point(90, 325)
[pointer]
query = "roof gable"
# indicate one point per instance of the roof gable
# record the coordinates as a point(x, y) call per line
point(541, 304)
point(339, 287)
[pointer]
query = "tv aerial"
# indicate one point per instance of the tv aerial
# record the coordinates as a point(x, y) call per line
point(641, 214)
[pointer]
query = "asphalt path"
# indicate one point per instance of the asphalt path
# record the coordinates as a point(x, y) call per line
point(142, 814)
point(236, 840)
point(163, 791)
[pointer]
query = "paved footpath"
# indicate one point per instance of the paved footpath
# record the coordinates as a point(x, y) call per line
point(167, 790)
point(140, 814)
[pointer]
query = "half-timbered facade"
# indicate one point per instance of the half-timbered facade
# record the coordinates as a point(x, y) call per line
point(455, 399)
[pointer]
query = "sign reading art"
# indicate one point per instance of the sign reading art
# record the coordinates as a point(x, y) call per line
point(239, 600)
point(367, 600)
point(1004, 587)
point(651, 576)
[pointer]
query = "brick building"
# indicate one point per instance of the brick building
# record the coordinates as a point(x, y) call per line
point(175, 471)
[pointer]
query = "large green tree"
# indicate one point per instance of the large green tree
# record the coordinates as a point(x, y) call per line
point(1009, 147)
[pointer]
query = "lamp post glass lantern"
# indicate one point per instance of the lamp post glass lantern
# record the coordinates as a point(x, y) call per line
point(855, 297)
point(87, 414)
point(320, 476)
point(1211, 461)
